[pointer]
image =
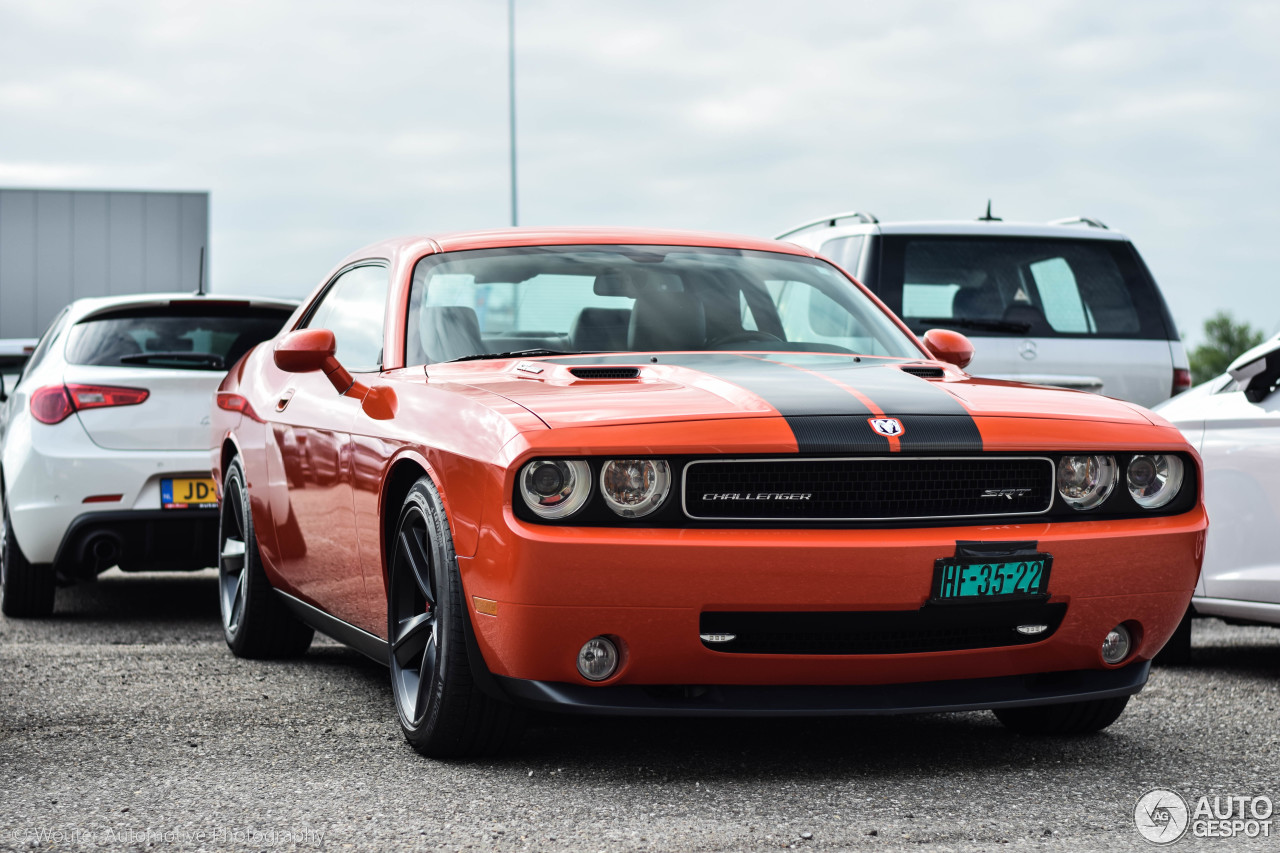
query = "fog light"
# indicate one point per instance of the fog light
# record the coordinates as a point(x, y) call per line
point(1116, 645)
point(1032, 630)
point(598, 659)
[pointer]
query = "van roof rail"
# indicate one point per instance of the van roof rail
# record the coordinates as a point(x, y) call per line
point(1082, 220)
point(830, 222)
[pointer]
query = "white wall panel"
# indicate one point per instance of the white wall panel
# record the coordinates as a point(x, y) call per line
point(59, 245)
point(17, 264)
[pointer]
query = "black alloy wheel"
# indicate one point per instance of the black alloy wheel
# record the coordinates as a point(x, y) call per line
point(442, 711)
point(255, 622)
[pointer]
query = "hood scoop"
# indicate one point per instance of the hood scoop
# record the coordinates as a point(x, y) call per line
point(605, 372)
point(924, 371)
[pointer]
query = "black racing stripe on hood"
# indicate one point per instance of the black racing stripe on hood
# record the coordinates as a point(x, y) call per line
point(824, 417)
point(932, 419)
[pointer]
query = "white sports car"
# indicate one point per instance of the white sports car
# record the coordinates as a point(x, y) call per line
point(104, 439)
point(1234, 421)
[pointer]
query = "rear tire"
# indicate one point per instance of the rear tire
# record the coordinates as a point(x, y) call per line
point(25, 590)
point(1068, 718)
point(442, 711)
point(255, 622)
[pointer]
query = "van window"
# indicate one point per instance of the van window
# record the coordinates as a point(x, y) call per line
point(1033, 287)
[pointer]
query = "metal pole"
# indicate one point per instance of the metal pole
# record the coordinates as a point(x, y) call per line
point(511, 99)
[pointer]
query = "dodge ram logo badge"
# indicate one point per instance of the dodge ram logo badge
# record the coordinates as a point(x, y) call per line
point(888, 427)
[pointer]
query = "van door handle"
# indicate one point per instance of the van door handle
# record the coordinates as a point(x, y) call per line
point(284, 400)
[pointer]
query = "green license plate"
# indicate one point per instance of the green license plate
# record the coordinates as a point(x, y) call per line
point(976, 579)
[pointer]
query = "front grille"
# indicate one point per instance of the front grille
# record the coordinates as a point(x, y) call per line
point(937, 628)
point(867, 489)
point(605, 372)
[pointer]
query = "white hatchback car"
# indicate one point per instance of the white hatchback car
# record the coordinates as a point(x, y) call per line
point(1070, 303)
point(104, 440)
point(1234, 421)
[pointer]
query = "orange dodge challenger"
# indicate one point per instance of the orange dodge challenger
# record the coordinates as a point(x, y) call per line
point(614, 471)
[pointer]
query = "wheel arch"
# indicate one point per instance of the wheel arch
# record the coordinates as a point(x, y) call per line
point(230, 450)
point(405, 470)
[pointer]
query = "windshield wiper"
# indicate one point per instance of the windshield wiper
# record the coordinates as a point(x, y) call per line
point(521, 353)
point(974, 323)
point(204, 358)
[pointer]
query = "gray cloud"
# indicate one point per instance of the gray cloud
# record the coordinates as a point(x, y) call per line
point(321, 126)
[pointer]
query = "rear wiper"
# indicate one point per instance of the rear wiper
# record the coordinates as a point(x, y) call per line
point(521, 353)
point(206, 358)
point(973, 323)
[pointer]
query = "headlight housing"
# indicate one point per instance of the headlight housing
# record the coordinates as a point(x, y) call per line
point(1153, 479)
point(555, 488)
point(1085, 482)
point(633, 488)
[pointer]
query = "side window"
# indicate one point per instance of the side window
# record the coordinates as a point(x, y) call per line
point(929, 300)
point(354, 309)
point(845, 251)
point(46, 343)
point(1060, 296)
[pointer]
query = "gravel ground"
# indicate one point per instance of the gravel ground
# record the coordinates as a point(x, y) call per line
point(125, 722)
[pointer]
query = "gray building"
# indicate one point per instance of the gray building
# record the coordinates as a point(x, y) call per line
point(60, 245)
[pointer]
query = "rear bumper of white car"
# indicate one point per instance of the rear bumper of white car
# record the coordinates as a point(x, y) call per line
point(62, 491)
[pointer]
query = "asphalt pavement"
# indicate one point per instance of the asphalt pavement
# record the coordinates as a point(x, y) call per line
point(126, 723)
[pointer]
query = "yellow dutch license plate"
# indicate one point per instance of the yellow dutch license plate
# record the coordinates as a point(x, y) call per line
point(188, 493)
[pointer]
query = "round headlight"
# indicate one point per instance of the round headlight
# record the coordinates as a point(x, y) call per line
point(555, 488)
point(635, 487)
point(1086, 481)
point(1154, 479)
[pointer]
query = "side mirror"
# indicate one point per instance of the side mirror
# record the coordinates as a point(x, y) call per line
point(1257, 370)
point(306, 350)
point(951, 347)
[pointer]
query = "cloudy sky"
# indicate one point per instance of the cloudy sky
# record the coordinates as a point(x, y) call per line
point(320, 126)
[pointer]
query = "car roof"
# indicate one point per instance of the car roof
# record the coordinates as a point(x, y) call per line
point(88, 306)
point(966, 228)
point(496, 238)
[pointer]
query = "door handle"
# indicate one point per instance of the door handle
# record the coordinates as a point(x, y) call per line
point(284, 400)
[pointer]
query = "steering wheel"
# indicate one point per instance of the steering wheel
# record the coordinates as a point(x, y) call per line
point(745, 336)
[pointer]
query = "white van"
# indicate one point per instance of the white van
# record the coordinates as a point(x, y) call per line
point(1070, 303)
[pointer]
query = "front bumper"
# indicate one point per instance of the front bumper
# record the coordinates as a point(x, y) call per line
point(557, 587)
point(736, 700)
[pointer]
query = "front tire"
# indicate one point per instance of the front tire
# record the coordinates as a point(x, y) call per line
point(25, 590)
point(1068, 718)
point(442, 711)
point(255, 623)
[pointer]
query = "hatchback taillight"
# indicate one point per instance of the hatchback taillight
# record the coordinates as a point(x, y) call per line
point(1181, 380)
point(53, 404)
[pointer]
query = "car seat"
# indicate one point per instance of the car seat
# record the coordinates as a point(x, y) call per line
point(667, 320)
point(449, 332)
point(600, 329)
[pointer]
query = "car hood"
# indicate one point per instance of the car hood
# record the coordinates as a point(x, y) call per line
point(807, 389)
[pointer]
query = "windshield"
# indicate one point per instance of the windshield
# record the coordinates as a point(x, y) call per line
point(638, 299)
point(191, 336)
point(1026, 286)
